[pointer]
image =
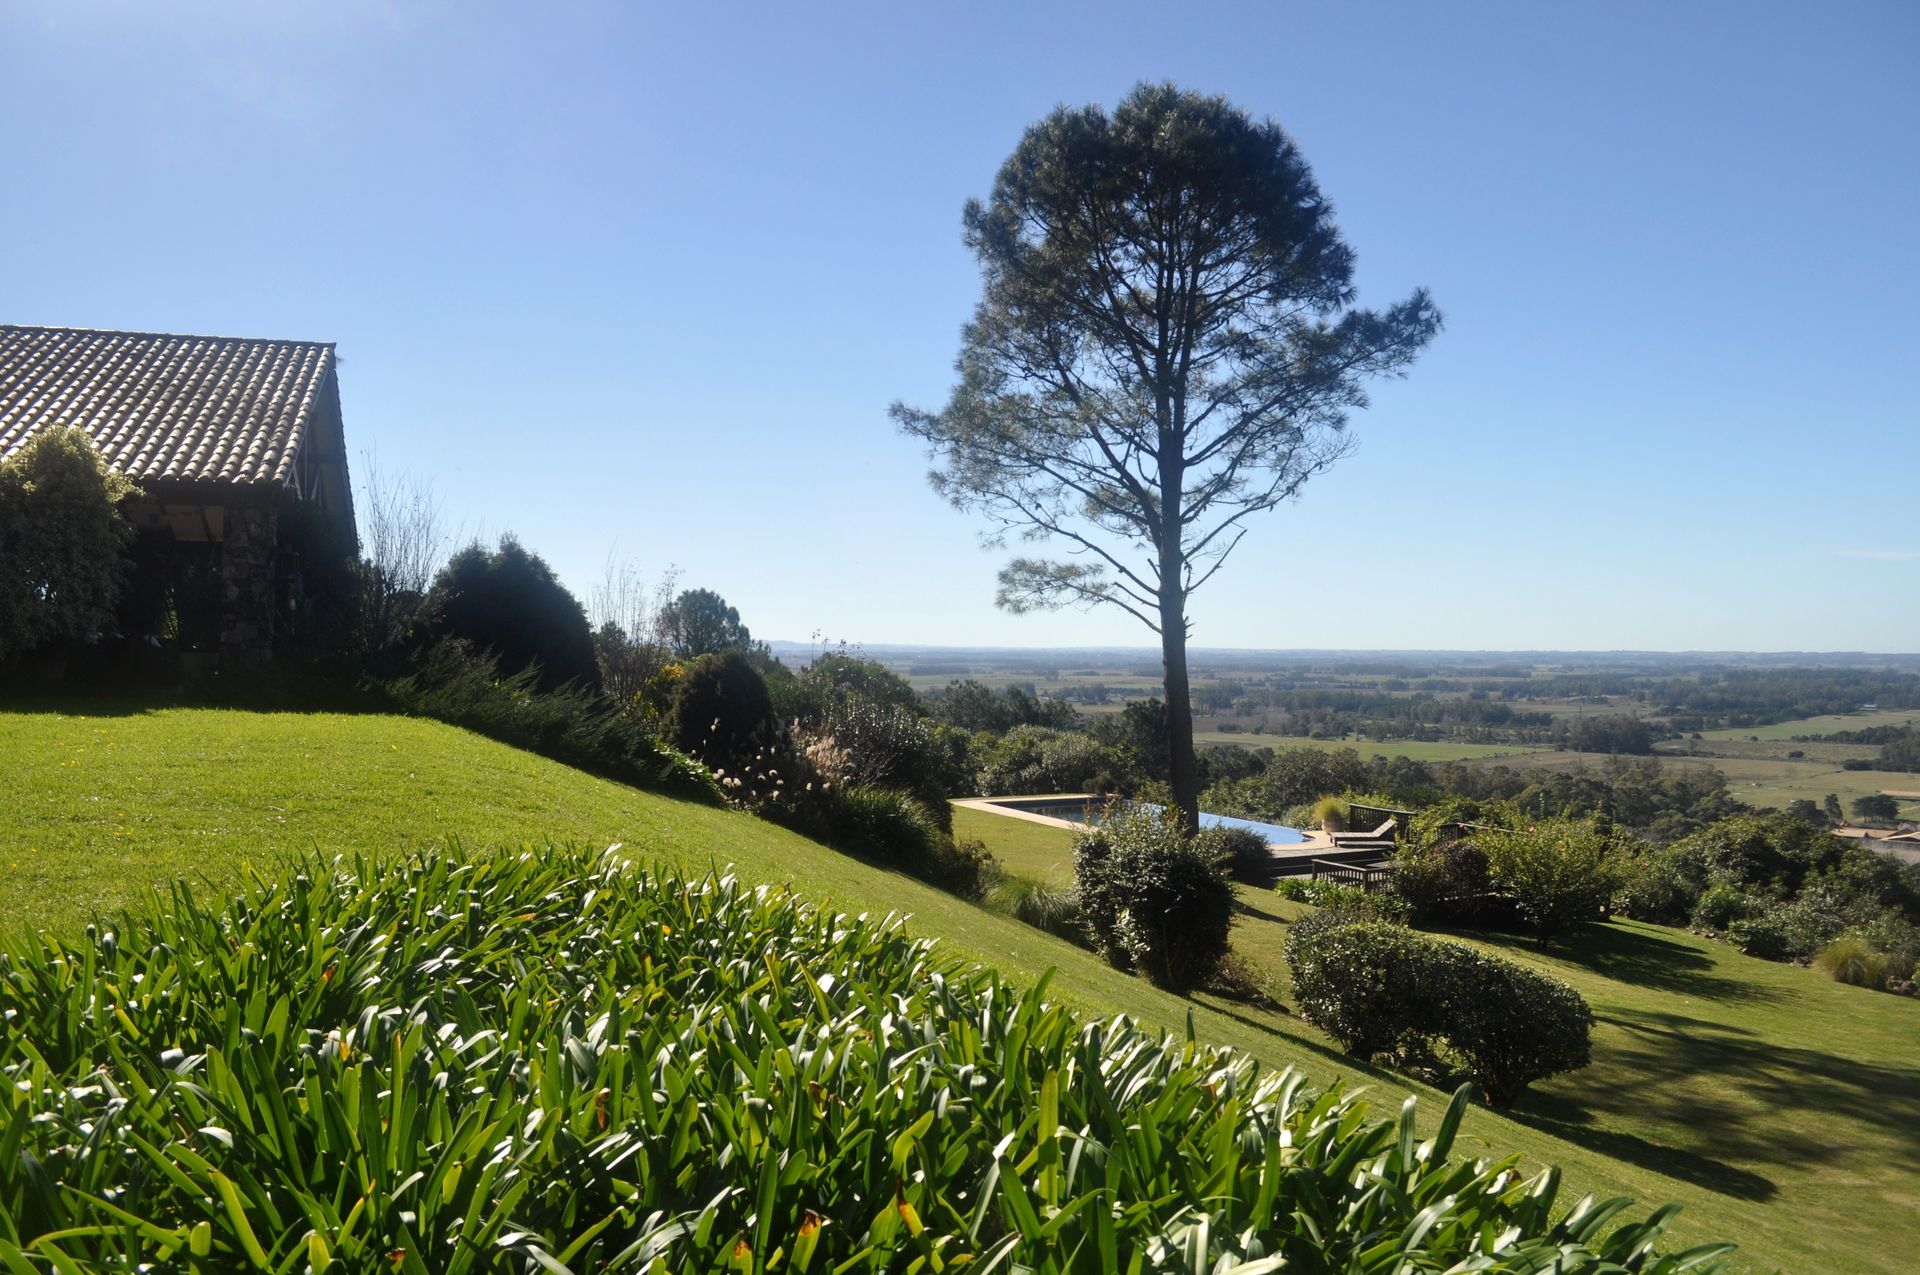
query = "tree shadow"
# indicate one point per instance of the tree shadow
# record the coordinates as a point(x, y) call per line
point(1641, 960)
point(1773, 1104)
point(1564, 1118)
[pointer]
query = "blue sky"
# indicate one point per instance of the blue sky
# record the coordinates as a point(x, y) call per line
point(642, 280)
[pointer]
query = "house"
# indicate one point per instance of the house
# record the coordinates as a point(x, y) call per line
point(240, 455)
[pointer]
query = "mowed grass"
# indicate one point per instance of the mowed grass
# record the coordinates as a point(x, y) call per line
point(95, 809)
point(1791, 1100)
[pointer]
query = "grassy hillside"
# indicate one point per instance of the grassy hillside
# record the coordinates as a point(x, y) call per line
point(1757, 1082)
point(1816, 1126)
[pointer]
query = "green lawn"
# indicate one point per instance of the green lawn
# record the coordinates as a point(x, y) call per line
point(1804, 1149)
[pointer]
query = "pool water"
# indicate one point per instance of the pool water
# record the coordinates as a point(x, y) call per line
point(1080, 810)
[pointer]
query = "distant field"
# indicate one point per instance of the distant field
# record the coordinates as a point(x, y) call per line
point(1819, 725)
point(1418, 750)
point(1767, 750)
point(1764, 781)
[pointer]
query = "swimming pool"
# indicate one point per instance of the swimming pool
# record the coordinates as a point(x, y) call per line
point(1088, 810)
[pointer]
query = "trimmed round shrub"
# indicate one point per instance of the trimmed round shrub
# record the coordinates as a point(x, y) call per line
point(1154, 899)
point(1381, 988)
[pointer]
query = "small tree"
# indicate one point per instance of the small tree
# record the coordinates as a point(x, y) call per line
point(1559, 873)
point(509, 602)
point(63, 542)
point(1877, 806)
point(403, 541)
point(699, 622)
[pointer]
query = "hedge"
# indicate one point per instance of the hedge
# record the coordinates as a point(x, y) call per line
point(1382, 988)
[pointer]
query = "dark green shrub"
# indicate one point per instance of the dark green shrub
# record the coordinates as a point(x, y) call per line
point(1154, 899)
point(1032, 759)
point(453, 684)
point(1361, 982)
point(63, 543)
point(510, 603)
point(1243, 850)
point(1380, 988)
point(1791, 931)
point(720, 711)
point(1356, 904)
point(1661, 887)
point(1721, 905)
point(885, 826)
point(1447, 882)
point(1896, 937)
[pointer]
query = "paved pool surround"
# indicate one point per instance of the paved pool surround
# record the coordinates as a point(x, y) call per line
point(1059, 810)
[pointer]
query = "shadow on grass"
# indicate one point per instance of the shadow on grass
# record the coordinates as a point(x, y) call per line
point(1745, 1100)
point(1636, 958)
point(1563, 1118)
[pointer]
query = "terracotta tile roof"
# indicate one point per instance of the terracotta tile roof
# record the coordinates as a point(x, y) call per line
point(191, 408)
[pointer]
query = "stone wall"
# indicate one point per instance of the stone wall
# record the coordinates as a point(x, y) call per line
point(246, 586)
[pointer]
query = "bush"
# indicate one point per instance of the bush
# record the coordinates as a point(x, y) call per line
point(1331, 813)
point(1559, 873)
point(1032, 759)
point(1154, 899)
point(1243, 850)
point(1789, 931)
point(1659, 887)
point(1380, 988)
point(453, 684)
point(1721, 905)
point(509, 602)
point(1294, 888)
point(1349, 902)
point(885, 826)
point(63, 543)
point(720, 710)
point(1448, 883)
point(1851, 959)
point(1044, 907)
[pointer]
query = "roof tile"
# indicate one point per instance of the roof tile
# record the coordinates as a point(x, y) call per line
point(199, 408)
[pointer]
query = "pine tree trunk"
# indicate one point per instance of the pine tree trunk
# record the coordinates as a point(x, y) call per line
point(1184, 776)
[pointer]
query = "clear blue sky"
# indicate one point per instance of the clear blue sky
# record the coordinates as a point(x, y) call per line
point(644, 279)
